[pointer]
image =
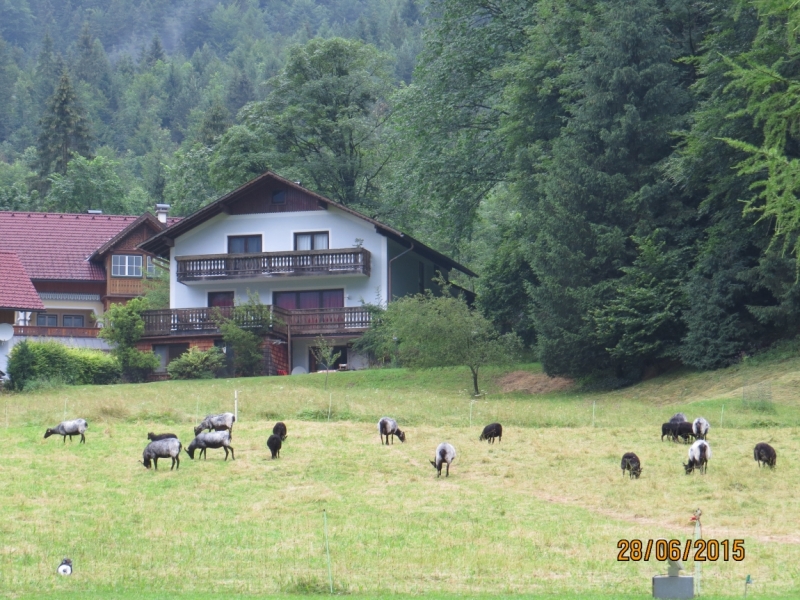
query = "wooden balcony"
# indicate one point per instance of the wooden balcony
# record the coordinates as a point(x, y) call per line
point(36, 331)
point(303, 322)
point(216, 267)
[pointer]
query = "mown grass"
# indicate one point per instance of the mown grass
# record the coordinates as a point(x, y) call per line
point(539, 513)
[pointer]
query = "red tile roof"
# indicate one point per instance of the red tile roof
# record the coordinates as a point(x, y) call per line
point(57, 246)
point(16, 289)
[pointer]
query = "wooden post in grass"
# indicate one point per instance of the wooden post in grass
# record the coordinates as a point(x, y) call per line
point(327, 548)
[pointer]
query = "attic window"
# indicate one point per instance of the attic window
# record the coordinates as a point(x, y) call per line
point(279, 197)
point(126, 265)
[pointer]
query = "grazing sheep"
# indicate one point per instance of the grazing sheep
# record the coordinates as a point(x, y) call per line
point(683, 430)
point(154, 437)
point(494, 430)
point(388, 427)
point(274, 445)
point(219, 422)
point(678, 418)
point(630, 462)
point(700, 428)
point(699, 454)
point(280, 430)
point(445, 453)
point(764, 453)
point(668, 429)
point(164, 448)
point(69, 428)
point(213, 439)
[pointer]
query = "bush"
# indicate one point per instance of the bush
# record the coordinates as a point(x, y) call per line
point(135, 364)
point(41, 362)
point(196, 364)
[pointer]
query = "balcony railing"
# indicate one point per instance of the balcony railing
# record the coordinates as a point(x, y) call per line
point(37, 331)
point(351, 261)
point(309, 321)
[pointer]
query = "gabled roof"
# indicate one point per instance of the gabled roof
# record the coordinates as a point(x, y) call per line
point(17, 291)
point(58, 246)
point(147, 217)
point(161, 242)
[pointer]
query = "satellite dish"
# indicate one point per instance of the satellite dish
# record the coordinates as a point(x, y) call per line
point(6, 332)
point(299, 370)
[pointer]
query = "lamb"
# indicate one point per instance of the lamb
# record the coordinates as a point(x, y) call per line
point(491, 431)
point(699, 454)
point(280, 430)
point(69, 428)
point(213, 439)
point(764, 453)
point(630, 462)
point(274, 445)
point(153, 437)
point(700, 428)
point(388, 427)
point(219, 422)
point(163, 448)
point(445, 453)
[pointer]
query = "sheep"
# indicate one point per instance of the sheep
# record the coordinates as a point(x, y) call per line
point(213, 439)
point(69, 428)
point(153, 437)
point(164, 448)
point(630, 462)
point(764, 453)
point(668, 429)
point(280, 430)
point(219, 422)
point(274, 445)
point(445, 453)
point(388, 427)
point(494, 430)
point(678, 418)
point(700, 428)
point(683, 430)
point(699, 454)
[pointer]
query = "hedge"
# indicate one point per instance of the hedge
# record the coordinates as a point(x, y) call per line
point(38, 361)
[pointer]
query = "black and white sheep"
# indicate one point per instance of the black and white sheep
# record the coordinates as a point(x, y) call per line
point(69, 428)
point(154, 437)
point(280, 430)
point(445, 454)
point(212, 439)
point(699, 454)
point(164, 448)
point(491, 431)
point(764, 453)
point(219, 422)
point(274, 445)
point(388, 427)
point(632, 464)
point(700, 428)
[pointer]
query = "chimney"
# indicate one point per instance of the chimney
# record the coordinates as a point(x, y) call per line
point(162, 210)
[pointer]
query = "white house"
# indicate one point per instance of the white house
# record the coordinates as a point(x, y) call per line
point(313, 260)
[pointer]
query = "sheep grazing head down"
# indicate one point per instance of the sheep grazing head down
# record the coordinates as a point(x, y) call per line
point(401, 435)
point(146, 462)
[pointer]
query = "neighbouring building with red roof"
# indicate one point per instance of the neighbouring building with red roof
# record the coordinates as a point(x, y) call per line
point(75, 266)
point(16, 294)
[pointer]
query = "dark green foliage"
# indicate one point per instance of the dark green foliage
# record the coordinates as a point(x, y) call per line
point(50, 361)
point(243, 333)
point(196, 364)
point(123, 326)
point(64, 130)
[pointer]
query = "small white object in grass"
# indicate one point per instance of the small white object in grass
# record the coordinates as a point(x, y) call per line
point(65, 568)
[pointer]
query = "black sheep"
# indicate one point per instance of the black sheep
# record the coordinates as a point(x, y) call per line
point(764, 453)
point(280, 430)
point(630, 462)
point(274, 445)
point(154, 437)
point(491, 431)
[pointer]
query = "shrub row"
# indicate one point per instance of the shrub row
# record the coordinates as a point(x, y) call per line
point(51, 361)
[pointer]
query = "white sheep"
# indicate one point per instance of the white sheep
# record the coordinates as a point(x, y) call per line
point(388, 427)
point(69, 428)
point(700, 428)
point(445, 454)
point(699, 454)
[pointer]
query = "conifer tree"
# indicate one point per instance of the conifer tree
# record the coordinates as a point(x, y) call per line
point(64, 130)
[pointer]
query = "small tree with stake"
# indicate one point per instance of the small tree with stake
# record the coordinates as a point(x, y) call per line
point(325, 355)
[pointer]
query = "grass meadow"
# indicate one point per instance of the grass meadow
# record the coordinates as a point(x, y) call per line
point(537, 515)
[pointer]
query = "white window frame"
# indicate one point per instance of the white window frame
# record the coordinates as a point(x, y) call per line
point(126, 265)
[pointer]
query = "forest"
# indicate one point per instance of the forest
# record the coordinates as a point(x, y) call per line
point(623, 174)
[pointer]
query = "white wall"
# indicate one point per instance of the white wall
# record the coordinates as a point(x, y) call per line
point(277, 231)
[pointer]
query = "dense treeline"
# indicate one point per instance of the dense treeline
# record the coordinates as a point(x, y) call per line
point(623, 173)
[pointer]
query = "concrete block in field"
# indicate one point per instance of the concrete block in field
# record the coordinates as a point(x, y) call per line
point(673, 587)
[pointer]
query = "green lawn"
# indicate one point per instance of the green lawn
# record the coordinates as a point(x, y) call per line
point(539, 514)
